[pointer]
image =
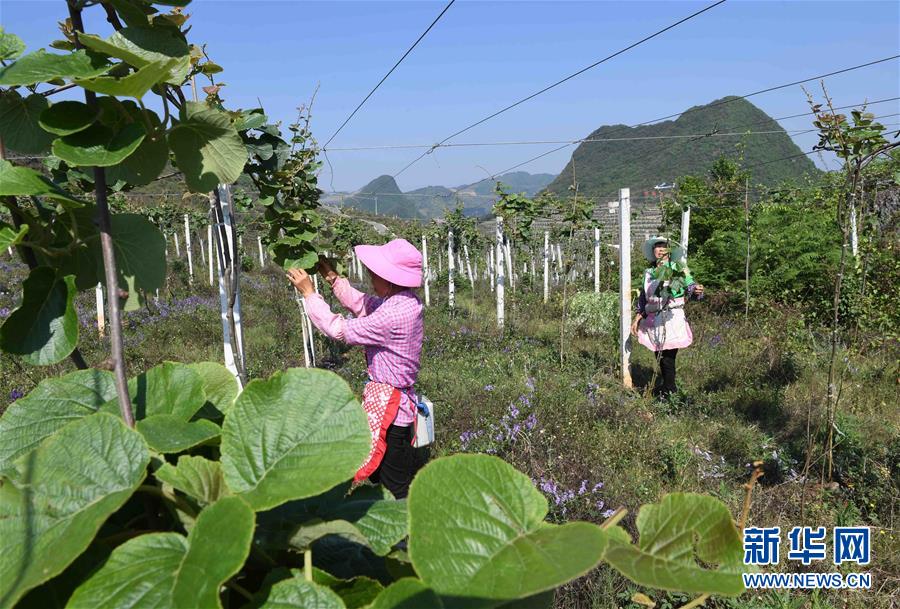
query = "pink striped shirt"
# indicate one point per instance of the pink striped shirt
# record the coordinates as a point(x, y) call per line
point(391, 329)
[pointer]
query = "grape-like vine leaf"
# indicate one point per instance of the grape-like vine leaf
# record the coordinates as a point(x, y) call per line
point(295, 435)
point(197, 477)
point(42, 66)
point(141, 46)
point(44, 329)
point(19, 127)
point(11, 46)
point(25, 182)
point(477, 530)
point(207, 147)
point(53, 404)
point(675, 534)
point(135, 84)
point(54, 503)
point(297, 593)
point(68, 117)
point(99, 146)
point(170, 570)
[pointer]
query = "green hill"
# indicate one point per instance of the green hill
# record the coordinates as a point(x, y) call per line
point(601, 168)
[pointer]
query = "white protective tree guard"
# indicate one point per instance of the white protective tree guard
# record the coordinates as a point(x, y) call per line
point(262, 258)
point(451, 261)
point(469, 268)
point(177, 246)
point(509, 265)
point(187, 246)
point(491, 267)
point(425, 271)
point(501, 313)
point(854, 237)
point(101, 311)
point(209, 251)
point(546, 266)
point(625, 285)
point(227, 228)
point(685, 229)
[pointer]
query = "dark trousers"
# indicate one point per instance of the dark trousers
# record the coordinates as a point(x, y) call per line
point(667, 369)
point(397, 466)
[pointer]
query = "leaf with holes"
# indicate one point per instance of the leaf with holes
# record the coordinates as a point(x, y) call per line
point(54, 503)
point(170, 570)
point(295, 435)
point(42, 66)
point(207, 148)
point(675, 534)
point(19, 127)
point(477, 530)
point(44, 329)
point(52, 405)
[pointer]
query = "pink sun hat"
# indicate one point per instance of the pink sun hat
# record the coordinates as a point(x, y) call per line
point(397, 261)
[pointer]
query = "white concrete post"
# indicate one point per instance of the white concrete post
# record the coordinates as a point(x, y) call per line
point(469, 268)
point(425, 271)
point(451, 261)
point(262, 258)
point(209, 251)
point(101, 311)
point(500, 272)
point(177, 246)
point(187, 247)
point(685, 229)
point(596, 260)
point(546, 266)
point(491, 267)
point(625, 285)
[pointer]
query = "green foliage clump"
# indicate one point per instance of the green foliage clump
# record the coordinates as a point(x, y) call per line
point(595, 314)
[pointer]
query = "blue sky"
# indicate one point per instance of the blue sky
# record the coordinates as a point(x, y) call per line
point(484, 55)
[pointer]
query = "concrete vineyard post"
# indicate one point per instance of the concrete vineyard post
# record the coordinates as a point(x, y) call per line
point(469, 268)
point(202, 251)
point(685, 228)
point(262, 258)
point(451, 261)
point(491, 267)
point(546, 266)
point(209, 251)
point(625, 285)
point(177, 246)
point(359, 268)
point(101, 311)
point(509, 267)
point(596, 260)
point(187, 247)
point(500, 272)
point(425, 271)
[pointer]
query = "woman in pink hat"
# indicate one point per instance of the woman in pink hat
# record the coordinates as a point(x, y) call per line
point(390, 327)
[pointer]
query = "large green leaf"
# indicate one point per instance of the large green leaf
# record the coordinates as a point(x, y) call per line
point(207, 148)
point(166, 433)
point(675, 534)
point(19, 128)
point(134, 85)
point(60, 494)
point(165, 570)
point(477, 530)
point(380, 518)
point(9, 236)
point(44, 329)
point(146, 163)
point(407, 593)
point(140, 46)
point(196, 477)
point(42, 66)
point(220, 387)
point(356, 592)
point(164, 399)
point(11, 46)
point(53, 404)
point(25, 182)
point(68, 117)
point(295, 435)
point(99, 146)
point(297, 593)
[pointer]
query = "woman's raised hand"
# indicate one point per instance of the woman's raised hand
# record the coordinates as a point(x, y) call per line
point(301, 281)
point(326, 270)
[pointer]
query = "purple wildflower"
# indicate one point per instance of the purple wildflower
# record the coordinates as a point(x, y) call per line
point(488, 387)
point(531, 422)
point(15, 394)
point(716, 340)
point(529, 382)
point(4, 312)
point(608, 513)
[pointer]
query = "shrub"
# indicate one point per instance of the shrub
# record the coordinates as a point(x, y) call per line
point(594, 314)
